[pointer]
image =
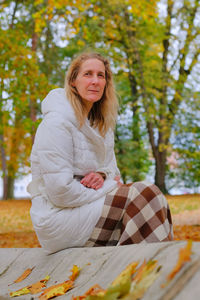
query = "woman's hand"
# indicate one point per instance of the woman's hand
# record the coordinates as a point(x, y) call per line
point(93, 180)
point(117, 178)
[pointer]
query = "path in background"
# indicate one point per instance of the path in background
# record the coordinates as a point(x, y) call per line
point(187, 218)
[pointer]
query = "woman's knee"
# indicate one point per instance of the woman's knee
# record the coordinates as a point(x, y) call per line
point(145, 192)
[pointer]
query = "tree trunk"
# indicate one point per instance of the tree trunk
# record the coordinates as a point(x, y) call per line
point(160, 171)
point(10, 187)
point(159, 156)
point(3, 164)
point(8, 184)
point(5, 187)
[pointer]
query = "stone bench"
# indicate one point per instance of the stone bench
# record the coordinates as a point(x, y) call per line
point(105, 263)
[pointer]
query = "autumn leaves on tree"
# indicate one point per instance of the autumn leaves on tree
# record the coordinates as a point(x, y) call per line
point(154, 51)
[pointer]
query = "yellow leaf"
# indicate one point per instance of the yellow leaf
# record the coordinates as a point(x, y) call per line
point(31, 289)
point(145, 277)
point(20, 292)
point(56, 290)
point(122, 283)
point(75, 272)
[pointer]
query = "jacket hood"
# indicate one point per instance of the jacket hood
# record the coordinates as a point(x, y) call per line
point(56, 101)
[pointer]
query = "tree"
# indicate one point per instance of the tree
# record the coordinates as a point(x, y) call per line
point(160, 53)
point(21, 86)
point(181, 29)
point(30, 66)
point(113, 43)
point(154, 56)
point(131, 150)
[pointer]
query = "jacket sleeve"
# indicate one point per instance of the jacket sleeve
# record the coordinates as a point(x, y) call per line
point(54, 147)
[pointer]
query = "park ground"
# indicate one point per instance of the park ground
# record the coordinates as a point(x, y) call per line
point(16, 229)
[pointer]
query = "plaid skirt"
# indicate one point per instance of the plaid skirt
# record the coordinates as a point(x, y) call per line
point(133, 213)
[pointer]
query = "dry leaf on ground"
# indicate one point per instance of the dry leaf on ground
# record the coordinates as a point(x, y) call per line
point(144, 278)
point(20, 292)
point(37, 287)
point(57, 290)
point(31, 289)
point(184, 256)
point(122, 283)
point(16, 229)
point(25, 274)
point(75, 272)
point(52, 291)
point(130, 284)
point(61, 288)
point(95, 290)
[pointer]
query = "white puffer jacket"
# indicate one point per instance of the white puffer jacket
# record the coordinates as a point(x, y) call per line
point(63, 211)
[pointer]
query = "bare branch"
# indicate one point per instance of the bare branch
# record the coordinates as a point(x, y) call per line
point(183, 73)
point(14, 13)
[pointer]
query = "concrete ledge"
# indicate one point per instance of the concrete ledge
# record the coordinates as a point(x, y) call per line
point(105, 264)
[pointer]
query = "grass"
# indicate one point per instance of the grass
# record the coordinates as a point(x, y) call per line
point(182, 203)
point(15, 216)
point(16, 229)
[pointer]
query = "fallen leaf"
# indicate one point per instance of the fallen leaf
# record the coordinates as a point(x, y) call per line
point(20, 292)
point(31, 289)
point(108, 296)
point(24, 275)
point(17, 229)
point(187, 232)
point(130, 284)
point(146, 275)
point(37, 287)
point(184, 256)
point(140, 272)
point(95, 290)
point(75, 272)
point(119, 287)
point(56, 290)
point(122, 283)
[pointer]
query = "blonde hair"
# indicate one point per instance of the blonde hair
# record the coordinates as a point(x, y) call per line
point(103, 114)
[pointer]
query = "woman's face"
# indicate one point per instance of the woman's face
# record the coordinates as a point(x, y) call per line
point(90, 81)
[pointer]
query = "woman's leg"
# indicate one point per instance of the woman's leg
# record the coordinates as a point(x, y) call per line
point(147, 217)
point(133, 213)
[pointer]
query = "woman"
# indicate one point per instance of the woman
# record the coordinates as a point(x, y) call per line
point(77, 197)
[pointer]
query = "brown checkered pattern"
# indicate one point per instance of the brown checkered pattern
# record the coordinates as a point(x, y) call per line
point(134, 213)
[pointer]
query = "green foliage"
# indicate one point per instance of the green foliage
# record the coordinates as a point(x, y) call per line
point(187, 142)
point(22, 85)
point(155, 67)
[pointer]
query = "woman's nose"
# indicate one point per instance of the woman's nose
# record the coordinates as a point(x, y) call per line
point(95, 79)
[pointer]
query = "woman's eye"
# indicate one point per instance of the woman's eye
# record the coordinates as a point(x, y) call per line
point(101, 75)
